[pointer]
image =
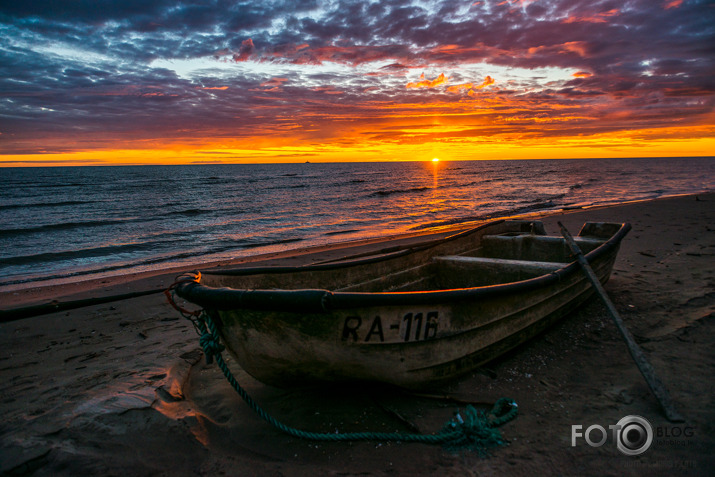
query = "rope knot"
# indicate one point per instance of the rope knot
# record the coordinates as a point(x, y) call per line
point(504, 410)
point(210, 346)
point(477, 430)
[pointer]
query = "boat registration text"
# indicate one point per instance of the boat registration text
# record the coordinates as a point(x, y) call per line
point(406, 327)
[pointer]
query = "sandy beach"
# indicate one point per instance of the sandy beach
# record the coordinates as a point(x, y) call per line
point(121, 388)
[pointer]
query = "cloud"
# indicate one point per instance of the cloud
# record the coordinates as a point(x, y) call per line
point(487, 82)
point(90, 75)
point(471, 87)
point(245, 52)
point(672, 4)
point(600, 17)
point(274, 83)
point(425, 83)
point(460, 87)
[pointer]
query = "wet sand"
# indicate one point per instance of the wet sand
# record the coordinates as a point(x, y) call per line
point(121, 388)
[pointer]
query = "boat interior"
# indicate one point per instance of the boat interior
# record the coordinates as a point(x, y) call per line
point(499, 259)
point(517, 252)
point(502, 258)
point(507, 258)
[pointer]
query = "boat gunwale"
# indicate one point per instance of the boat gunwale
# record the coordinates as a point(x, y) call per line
point(326, 301)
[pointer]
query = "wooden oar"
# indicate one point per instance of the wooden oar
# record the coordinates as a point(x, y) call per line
point(641, 361)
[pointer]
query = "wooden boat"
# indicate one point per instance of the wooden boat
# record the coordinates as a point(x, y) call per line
point(411, 317)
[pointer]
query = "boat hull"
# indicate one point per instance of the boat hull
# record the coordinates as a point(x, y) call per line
point(411, 339)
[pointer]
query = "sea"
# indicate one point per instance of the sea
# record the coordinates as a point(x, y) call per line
point(60, 224)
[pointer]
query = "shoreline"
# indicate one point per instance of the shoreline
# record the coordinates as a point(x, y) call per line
point(122, 388)
point(66, 289)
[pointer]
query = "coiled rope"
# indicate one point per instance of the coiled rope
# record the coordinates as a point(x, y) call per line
point(477, 430)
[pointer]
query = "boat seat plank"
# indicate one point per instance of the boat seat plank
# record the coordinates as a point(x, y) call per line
point(529, 247)
point(500, 263)
point(545, 239)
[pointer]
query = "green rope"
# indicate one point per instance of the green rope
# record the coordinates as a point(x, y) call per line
point(476, 430)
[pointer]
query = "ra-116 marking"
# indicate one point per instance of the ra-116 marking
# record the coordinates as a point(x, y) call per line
point(411, 327)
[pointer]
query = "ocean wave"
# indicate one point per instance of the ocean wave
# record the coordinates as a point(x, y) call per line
point(268, 243)
point(7, 233)
point(104, 267)
point(586, 183)
point(131, 252)
point(80, 254)
point(190, 212)
point(286, 186)
point(387, 193)
point(549, 204)
point(63, 185)
point(215, 180)
point(66, 203)
point(341, 232)
point(508, 212)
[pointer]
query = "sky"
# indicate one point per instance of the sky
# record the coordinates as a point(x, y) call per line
point(170, 81)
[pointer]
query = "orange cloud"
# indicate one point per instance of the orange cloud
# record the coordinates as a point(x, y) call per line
point(246, 50)
point(673, 4)
point(449, 47)
point(487, 81)
point(326, 90)
point(578, 47)
point(459, 87)
point(222, 88)
point(582, 74)
point(470, 87)
point(598, 18)
point(273, 82)
point(272, 85)
point(425, 83)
